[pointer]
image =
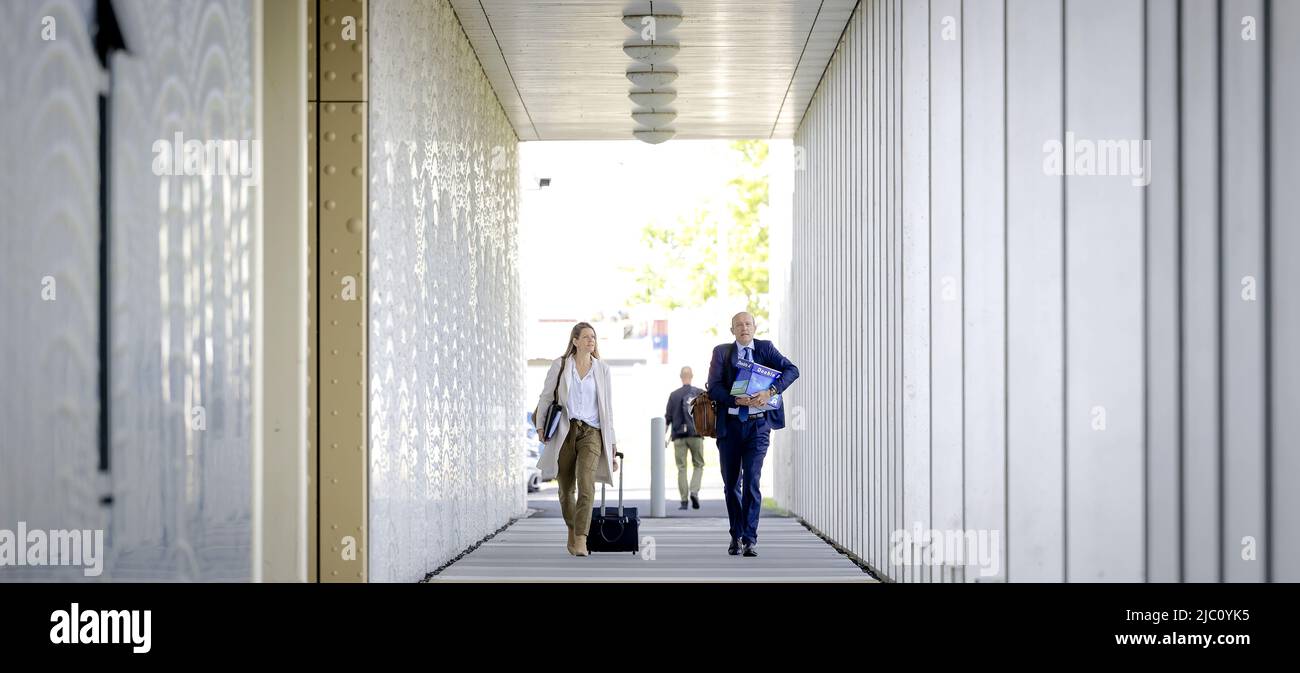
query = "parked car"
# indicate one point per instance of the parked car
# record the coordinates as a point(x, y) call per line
point(532, 454)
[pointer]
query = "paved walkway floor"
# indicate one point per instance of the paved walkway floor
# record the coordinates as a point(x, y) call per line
point(683, 549)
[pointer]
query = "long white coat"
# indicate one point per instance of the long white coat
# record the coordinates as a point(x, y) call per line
point(549, 463)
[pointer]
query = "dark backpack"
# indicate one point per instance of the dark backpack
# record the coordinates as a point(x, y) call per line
point(688, 416)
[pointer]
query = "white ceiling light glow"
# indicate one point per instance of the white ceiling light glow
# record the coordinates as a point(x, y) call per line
point(651, 79)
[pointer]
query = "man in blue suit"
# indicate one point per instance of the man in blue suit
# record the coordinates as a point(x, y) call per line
point(742, 431)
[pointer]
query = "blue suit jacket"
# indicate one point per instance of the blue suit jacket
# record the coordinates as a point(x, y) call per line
point(722, 373)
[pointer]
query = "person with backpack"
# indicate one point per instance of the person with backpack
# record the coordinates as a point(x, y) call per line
point(681, 429)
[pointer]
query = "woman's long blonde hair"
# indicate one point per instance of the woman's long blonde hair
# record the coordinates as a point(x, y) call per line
point(570, 349)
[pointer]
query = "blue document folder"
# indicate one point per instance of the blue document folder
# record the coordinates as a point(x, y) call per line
point(753, 378)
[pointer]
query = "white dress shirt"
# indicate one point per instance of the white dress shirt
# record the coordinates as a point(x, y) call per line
point(582, 395)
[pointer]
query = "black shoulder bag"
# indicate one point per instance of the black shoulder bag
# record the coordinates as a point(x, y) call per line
point(551, 420)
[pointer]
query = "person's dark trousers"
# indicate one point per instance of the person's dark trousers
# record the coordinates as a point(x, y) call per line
point(741, 455)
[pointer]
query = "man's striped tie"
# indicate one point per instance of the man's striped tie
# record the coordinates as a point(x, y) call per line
point(746, 355)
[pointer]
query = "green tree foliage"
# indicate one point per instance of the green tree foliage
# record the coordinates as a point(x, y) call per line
point(685, 273)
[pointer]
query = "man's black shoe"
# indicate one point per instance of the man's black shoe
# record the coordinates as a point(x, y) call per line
point(695, 501)
point(734, 549)
point(749, 549)
point(683, 505)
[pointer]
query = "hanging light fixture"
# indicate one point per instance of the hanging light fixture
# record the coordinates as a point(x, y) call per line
point(653, 53)
point(654, 118)
point(656, 78)
point(651, 78)
point(652, 22)
point(652, 99)
point(653, 136)
point(648, 20)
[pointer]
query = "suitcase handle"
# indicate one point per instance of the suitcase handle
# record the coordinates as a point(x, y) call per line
point(617, 454)
point(621, 526)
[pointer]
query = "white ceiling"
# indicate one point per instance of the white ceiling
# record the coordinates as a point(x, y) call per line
point(747, 68)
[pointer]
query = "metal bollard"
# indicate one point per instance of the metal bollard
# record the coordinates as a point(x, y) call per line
point(657, 466)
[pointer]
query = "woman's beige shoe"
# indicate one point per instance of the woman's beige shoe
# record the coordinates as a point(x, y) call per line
point(581, 546)
point(571, 544)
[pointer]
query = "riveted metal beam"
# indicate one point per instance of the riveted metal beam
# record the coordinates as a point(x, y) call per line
point(313, 334)
point(343, 49)
point(340, 274)
point(313, 352)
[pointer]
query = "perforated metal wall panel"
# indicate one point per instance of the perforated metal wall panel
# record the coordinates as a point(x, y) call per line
point(180, 474)
point(446, 332)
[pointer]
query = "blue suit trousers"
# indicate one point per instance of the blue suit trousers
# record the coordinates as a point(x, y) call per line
point(741, 453)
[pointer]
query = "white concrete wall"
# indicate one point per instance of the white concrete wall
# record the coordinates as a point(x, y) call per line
point(180, 287)
point(446, 332)
point(1066, 360)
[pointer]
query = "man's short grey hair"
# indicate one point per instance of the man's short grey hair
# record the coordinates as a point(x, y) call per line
point(686, 371)
point(733, 318)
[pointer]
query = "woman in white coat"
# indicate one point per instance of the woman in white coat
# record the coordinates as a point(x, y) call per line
point(582, 450)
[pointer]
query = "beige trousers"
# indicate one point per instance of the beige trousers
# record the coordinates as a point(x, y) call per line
point(578, 458)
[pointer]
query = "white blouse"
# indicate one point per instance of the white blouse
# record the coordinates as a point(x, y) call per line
point(582, 395)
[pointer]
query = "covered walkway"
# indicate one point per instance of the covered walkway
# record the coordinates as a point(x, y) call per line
point(266, 309)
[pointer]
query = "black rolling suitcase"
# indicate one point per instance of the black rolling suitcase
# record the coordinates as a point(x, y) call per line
point(614, 528)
